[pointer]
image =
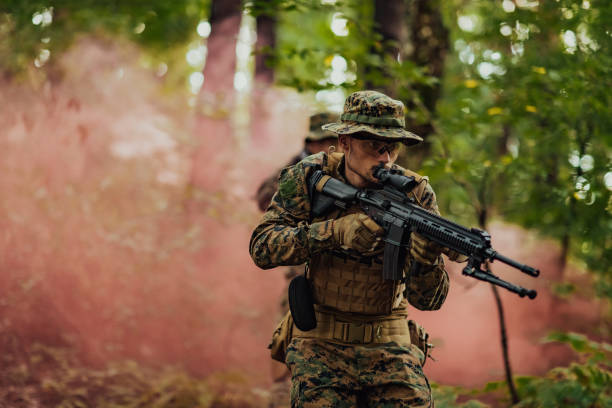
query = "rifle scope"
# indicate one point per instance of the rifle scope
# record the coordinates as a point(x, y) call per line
point(395, 178)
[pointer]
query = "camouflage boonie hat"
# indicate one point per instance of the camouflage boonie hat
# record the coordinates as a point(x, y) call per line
point(316, 121)
point(375, 113)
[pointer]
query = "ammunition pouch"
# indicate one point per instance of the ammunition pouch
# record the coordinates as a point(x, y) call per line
point(419, 338)
point(301, 304)
point(281, 338)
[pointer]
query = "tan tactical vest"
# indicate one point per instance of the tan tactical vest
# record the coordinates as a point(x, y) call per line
point(350, 285)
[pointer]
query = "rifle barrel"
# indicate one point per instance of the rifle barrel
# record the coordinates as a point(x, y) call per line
point(521, 267)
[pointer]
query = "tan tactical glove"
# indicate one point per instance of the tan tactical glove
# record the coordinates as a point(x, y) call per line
point(454, 256)
point(423, 250)
point(358, 232)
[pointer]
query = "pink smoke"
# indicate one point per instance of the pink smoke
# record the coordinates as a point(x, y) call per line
point(125, 226)
point(466, 330)
point(109, 244)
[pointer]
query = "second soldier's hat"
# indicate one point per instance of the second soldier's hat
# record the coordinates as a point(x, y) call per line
point(316, 121)
point(374, 113)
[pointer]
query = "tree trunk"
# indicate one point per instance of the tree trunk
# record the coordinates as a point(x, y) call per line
point(266, 44)
point(429, 44)
point(213, 129)
point(504, 343)
point(262, 106)
point(221, 58)
point(482, 217)
point(390, 19)
point(390, 23)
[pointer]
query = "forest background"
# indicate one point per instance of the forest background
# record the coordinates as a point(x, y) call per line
point(134, 135)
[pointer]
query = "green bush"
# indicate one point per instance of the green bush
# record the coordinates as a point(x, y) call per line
point(586, 383)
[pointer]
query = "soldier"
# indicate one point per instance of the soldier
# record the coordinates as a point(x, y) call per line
point(362, 351)
point(317, 140)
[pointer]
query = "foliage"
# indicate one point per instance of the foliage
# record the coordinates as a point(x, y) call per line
point(310, 55)
point(446, 397)
point(273, 7)
point(525, 105)
point(525, 121)
point(523, 130)
point(34, 32)
point(587, 383)
point(50, 376)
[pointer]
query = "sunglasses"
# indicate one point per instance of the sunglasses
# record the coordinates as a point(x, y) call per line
point(378, 147)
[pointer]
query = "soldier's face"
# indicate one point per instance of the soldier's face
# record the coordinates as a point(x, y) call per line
point(362, 155)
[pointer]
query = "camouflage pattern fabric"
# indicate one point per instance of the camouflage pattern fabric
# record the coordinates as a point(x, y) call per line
point(376, 114)
point(315, 130)
point(285, 235)
point(268, 187)
point(264, 195)
point(324, 373)
point(279, 391)
point(331, 375)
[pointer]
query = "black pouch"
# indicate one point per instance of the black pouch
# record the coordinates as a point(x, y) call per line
point(301, 304)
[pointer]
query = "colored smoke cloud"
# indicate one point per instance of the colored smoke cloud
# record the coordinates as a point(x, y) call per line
point(125, 223)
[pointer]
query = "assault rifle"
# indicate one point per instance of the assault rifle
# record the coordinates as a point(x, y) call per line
point(399, 216)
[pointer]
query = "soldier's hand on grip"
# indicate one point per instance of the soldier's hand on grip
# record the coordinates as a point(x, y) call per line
point(424, 250)
point(454, 255)
point(358, 232)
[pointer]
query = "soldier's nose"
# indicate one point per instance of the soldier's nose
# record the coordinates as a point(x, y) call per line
point(384, 157)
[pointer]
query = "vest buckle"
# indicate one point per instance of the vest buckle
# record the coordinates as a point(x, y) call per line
point(354, 333)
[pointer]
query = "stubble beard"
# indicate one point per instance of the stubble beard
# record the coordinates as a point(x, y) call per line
point(368, 180)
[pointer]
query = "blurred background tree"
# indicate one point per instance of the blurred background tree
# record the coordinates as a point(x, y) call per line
point(524, 128)
point(36, 33)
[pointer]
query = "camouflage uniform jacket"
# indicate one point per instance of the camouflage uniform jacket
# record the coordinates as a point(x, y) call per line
point(287, 235)
point(269, 186)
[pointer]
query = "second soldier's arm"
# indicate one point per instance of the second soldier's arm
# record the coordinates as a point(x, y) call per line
point(268, 187)
point(284, 236)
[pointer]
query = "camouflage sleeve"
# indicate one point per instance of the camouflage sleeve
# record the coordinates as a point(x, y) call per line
point(428, 285)
point(268, 187)
point(284, 235)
